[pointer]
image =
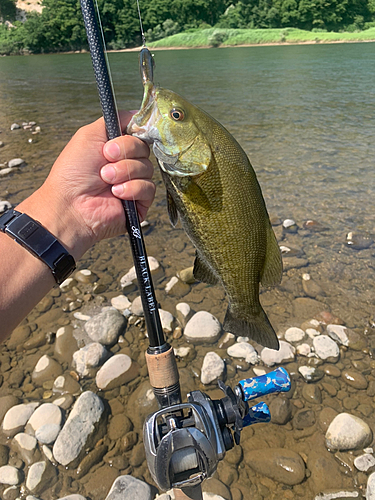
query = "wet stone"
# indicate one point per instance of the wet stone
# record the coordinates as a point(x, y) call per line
point(18, 336)
point(4, 454)
point(325, 418)
point(365, 463)
point(129, 487)
point(47, 413)
point(281, 410)
point(245, 351)
point(46, 369)
point(303, 418)
point(40, 476)
point(119, 426)
point(106, 326)
point(326, 348)
point(16, 418)
point(92, 458)
point(310, 373)
point(66, 384)
point(294, 334)
point(216, 488)
point(25, 445)
point(285, 354)
point(183, 313)
point(354, 379)
point(332, 371)
point(118, 370)
point(370, 492)
point(129, 441)
point(6, 403)
point(89, 357)
point(212, 368)
point(280, 464)
point(10, 475)
point(311, 393)
point(65, 344)
point(202, 327)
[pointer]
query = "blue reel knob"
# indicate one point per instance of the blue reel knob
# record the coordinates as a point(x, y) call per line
point(276, 381)
point(257, 414)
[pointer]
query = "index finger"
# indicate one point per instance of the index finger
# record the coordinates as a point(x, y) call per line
point(125, 117)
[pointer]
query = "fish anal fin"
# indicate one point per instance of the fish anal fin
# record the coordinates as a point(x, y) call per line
point(257, 327)
point(203, 273)
point(172, 210)
point(273, 264)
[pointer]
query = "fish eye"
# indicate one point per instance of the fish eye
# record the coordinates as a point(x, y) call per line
point(177, 114)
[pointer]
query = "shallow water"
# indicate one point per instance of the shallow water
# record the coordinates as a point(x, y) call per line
point(305, 116)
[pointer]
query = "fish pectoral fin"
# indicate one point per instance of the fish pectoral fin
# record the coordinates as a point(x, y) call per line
point(257, 327)
point(202, 272)
point(172, 210)
point(273, 264)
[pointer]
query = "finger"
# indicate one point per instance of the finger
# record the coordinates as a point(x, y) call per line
point(125, 147)
point(125, 117)
point(139, 190)
point(126, 170)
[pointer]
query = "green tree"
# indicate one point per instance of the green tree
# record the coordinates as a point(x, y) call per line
point(8, 10)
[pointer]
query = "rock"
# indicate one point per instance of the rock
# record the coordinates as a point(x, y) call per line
point(65, 344)
point(285, 354)
point(347, 432)
point(47, 413)
point(183, 313)
point(176, 287)
point(370, 491)
point(312, 394)
point(245, 351)
point(338, 334)
point(6, 171)
point(304, 307)
point(326, 348)
point(46, 369)
point(85, 425)
point(64, 402)
point(6, 403)
point(18, 337)
point(89, 357)
point(4, 454)
point(310, 287)
point(314, 226)
point(364, 462)
point(92, 458)
point(15, 126)
point(118, 370)
point(106, 327)
point(280, 464)
point(359, 241)
point(137, 307)
point(141, 403)
point(187, 275)
point(303, 349)
point(129, 487)
point(303, 418)
point(66, 384)
point(289, 226)
point(354, 379)
point(25, 445)
point(202, 327)
point(4, 206)
point(119, 426)
point(310, 373)
point(324, 469)
point(75, 496)
point(212, 368)
point(40, 476)
point(167, 320)
point(294, 334)
point(326, 416)
point(216, 488)
point(16, 417)
point(47, 434)
point(16, 163)
point(10, 475)
point(131, 277)
point(121, 302)
point(281, 410)
point(85, 276)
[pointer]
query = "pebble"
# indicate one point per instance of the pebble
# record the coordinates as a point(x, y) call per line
point(129, 487)
point(167, 320)
point(202, 327)
point(310, 373)
point(118, 370)
point(290, 226)
point(47, 434)
point(354, 379)
point(15, 126)
point(364, 462)
point(4, 454)
point(348, 432)
point(212, 368)
point(176, 287)
point(84, 427)
point(294, 334)
point(311, 393)
point(92, 458)
point(40, 476)
point(16, 417)
point(75, 496)
point(4, 206)
point(310, 287)
point(187, 275)
point(370, 491)
point(183, 313)
point(245, 351)
point(332, 371)
point(10, 475)
point(285, 354)
point(280, 464)
point(85, 276)
point(281, 410)
point(16, 163)
point(25, 445)
point(131, 278)
point(89, 357)
point(338, 334)
point(65, 344)
point(336, 495)
point(326, 348)
point(303, 418)
point(66, 384)
point(106, 326)
point(121, 302)
point(303, 349)
point(358, 241)
point(46, 369)
point(47, 413)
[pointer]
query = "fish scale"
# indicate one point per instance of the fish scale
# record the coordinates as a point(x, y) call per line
point(213, 188)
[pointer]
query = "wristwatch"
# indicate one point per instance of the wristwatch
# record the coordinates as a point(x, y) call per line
point(30, 234)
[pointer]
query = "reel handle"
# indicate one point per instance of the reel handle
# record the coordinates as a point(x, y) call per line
point(276, 381)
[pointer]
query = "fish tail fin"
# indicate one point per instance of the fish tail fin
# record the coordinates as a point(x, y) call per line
point(257, 327)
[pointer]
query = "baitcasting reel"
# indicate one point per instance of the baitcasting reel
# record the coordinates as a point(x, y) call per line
point(185, 442)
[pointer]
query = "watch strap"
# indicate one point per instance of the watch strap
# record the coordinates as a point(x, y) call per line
point(30, 234)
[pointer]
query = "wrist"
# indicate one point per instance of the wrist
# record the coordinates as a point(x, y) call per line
point(60, 220)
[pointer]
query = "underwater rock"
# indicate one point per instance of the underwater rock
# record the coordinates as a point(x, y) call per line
point(16, 417)
point(347, 432)
point(245, 351)
point(280, 464)
point(46, 369)
point(326, 348)
point(294, 334)
point(129, 487)
point(10, 475)
point(118, 370)
point(285, 354)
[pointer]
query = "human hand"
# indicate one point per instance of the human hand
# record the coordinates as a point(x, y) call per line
point(80, 201)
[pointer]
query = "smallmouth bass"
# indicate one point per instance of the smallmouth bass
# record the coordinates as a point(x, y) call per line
point(213, 188)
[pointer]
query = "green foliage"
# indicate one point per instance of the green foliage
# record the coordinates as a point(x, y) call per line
point(60, 26)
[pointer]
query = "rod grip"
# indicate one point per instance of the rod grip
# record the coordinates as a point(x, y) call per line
point(162, 369)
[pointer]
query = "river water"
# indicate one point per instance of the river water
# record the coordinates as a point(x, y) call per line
point(305, 116)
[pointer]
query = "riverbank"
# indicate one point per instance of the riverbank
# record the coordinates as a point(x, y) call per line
point(215, 37)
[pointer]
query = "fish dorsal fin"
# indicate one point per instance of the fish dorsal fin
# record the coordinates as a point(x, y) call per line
point(273, 264)
point(202, 272)
point(172, 209)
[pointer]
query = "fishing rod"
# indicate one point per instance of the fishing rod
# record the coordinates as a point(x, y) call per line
point(184, 442)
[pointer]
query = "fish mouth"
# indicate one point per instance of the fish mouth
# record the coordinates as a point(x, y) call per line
point(142, 124)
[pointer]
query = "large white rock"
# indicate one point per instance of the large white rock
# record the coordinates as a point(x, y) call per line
point(10, 475)
point(212, 368)
point(347, 432)
point(370, 491)
point(106, 326)
point(128, 487)
point(272, 357)
point(294, 334)
point(202, 327)
point(245, 351)
point(47, 434)
point(117, 371)
point(47, 413)
point(82, 428)
point(338, 333)
point(326, 348)
point(88, 357)
point(15, 419)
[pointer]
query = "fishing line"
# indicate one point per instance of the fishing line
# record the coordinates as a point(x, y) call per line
point(140, 22)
